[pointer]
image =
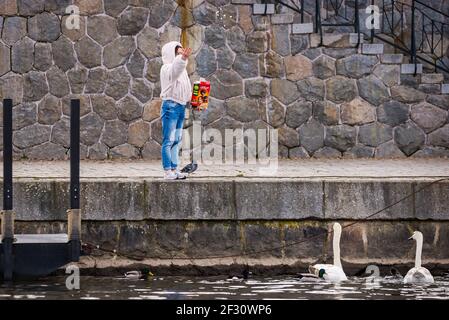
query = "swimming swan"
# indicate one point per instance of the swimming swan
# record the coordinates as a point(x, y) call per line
point(332, 272)
point(418, 274)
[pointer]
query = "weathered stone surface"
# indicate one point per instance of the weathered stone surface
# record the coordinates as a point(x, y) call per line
point(215, 36)
point(226, 84)
point(151, 150)
point(280, 40)
point(357, 111)
point(340, 89)
point(214, 112)
point(49, 110)
point(269, 200)
point(256, 88)
point(89, 7)
point(44, 27)
point(117, 52)
point(324, 67)
point(60, 133)
point(117, 83)
point(298, 153)
point(225, 58)
point(85, 106)
point(23, 56)
point(388, 73)
point(427, 116)
point(326, 112)
point(42, 56)
point(359, 151)
point(35, 86)
point(152, 110)
point(257, 42)
point(63, 53)
point(228, 17)
point(31, 136)
point(24, 115)
point(356, 66)
point(96, 81)
point(374, 134)
point(245, 109)
point(410, 80)
point(14, 29)
point(432, 204)
point(46, 151)
point(154, 69)
point(284, 90)
point(70, 30)
point(429, 88)
point(136, 64)
point(205, 14)
point(206, 63)
point(115, 133)
point(311, 135)
point(273, 66)
point(131, 21)
point(236, 39)
point(91, 126)
point(98, 151)
point(288, 137)
point(11, 87)
point(276, 113)
point(88, 52)
point(8, 7)
point(129, 109)
point(141, 90)
point(28, 7)
point(104, 106)
point(440, 137)
point(124, 151)
point(408, 137)
point(297, 67)
point(298, 113)
point(298, 43)
point(389, 150)
point(247, 65)
point(77, 78)
point(311, 89)
point(245, 21)
point(432, 78)
point(431, 152)
point(373, 90)
point(407, 94)
point(148, 43)
point(327, 153)
point(160, 14)
point(393, 113)
point(340, 137)
point(102, 29)
point(114, 7)
point(338, 53)
point(5, 59)
point(183, 17)
point(194, 38)
point(57, 80)
point(138, 133)
point(261, 23)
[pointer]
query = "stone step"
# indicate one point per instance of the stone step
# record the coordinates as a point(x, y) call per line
point(409, 68)
point(330, 40)
point(243, 1)
point(260, 8)
point(445, 88)
point(353, 38)
point(302, 28)
point(282, 18)
point(392, 58)
point(373, 48)
point(432, 78)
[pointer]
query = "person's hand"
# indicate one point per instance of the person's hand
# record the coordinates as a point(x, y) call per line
point(186, 52)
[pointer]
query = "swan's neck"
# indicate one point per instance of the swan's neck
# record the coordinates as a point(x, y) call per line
point(419, 242)
point(336, 247)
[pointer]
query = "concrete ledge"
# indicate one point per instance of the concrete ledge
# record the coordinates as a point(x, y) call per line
point(409, 68)
point(445, 88)
point(259, 8)
point(233, 199)
point(302, 28)
point(373, 48)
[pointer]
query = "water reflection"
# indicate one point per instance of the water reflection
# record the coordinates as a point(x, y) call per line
point(158, 288)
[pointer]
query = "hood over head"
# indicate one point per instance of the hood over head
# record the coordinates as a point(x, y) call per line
point(168, 51)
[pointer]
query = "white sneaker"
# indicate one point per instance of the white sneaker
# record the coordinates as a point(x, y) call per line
point(170, 175)
point(181, 175)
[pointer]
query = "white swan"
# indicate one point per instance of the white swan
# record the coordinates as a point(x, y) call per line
point(332, 272)
point(418, 274)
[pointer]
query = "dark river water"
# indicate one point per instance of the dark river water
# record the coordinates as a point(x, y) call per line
point(221, 288)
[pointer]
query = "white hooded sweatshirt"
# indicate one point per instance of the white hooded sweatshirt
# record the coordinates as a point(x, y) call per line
point(175, 82)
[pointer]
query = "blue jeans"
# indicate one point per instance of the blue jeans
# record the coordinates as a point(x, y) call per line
point(172, 115)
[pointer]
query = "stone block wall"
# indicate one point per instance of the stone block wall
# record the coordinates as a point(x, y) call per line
point(326, 101)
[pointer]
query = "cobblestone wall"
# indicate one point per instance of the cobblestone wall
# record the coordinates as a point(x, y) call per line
point(326, 102)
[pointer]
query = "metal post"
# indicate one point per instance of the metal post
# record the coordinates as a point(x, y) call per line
point(7, 216)
point(372, 21)
point(356, 21)
point(302, 11)
point(413, 40)
point(74, 214)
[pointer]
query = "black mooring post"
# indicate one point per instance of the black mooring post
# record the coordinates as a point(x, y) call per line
point(74, 218)
point(8, 215)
